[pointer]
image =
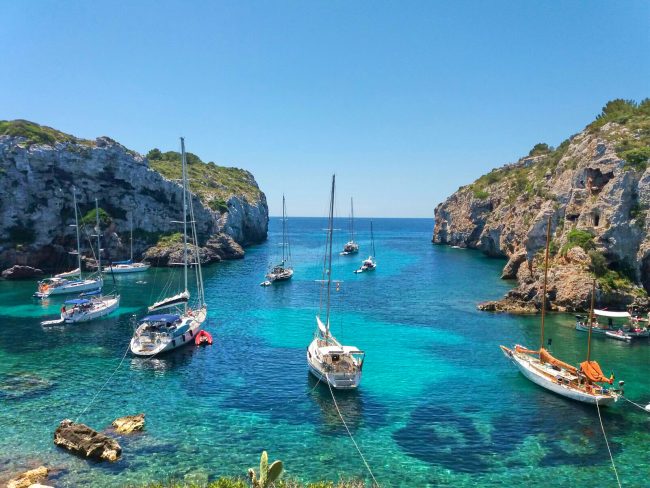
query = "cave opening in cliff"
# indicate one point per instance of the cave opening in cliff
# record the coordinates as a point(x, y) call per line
point(596, 218)
point(596, 179)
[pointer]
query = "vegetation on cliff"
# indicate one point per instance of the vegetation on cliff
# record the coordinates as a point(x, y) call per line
point(213, 184)
point(37, 134)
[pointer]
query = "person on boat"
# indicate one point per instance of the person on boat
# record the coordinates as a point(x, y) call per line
point(63, 308)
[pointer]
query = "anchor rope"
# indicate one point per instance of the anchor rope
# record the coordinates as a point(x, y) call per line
point(350, 434)
point(607, 443)
point(636, 404)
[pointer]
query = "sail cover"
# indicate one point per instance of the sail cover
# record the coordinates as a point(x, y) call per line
point(614, 315)
point(171, 301)
point(591, 370)
point(321, 327)
point(545, 357)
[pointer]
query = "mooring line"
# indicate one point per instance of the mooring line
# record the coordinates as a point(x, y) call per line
point(645, 409)
point(350, 433)
point(607, 443)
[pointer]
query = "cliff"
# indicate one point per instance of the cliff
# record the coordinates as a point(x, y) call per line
point(595, 187)
point(39, 166)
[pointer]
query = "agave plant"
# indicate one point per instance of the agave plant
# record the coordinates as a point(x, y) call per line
point(268, 474)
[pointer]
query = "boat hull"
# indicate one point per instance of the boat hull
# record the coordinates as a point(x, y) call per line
point(196, 325)
point(108, 305)
point(337, 380)
point(73, 287)
point(127, 268)
point(533, 375)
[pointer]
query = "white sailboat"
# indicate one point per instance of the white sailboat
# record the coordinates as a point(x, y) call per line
point(92, 305)
point(128, 266)
point(351, 247)
point(539, 366)
point(328, 359)
point(159, 333)
point(369, 264)
point(283, 271)
point(59, 285)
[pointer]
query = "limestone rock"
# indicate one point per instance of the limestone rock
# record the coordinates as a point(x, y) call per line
point(224, 246)
point(35, 223)
point(220, 246)
point(129, 424)
point(29, 478)
point(18, 272)
point(583, 187)
point(86, 442)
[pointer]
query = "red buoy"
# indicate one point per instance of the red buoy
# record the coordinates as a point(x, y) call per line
point(203, 338)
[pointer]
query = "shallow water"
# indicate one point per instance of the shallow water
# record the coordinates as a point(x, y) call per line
point(438, 405)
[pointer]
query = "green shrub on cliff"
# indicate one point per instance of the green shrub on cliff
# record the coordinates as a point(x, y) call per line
point(90, 217)
point(539, 149)
point(578, 238)
point(210, 182)
point(35, 133)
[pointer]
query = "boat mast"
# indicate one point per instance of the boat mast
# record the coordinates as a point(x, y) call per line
point(284, 230)
point(131, 239)
point(99, 248)
point(76, 222)
point(548, 238)
point(372, 240)
point(351, 220)
point(591, 318)
point(184, 163)
point(329, 256)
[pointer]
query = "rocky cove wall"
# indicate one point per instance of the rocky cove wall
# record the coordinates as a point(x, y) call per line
point(36, 209)
point(586, 190)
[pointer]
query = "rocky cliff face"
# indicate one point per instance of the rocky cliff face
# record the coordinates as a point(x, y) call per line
point(39, 167)
point(595, 188)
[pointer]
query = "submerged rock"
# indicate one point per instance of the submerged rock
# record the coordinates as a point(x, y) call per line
point(19, 272)
point(29, 478)
point(23, 384)
point(86, 442)
point(128, 424)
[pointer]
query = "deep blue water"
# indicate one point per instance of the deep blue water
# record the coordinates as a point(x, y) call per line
point(438, 405)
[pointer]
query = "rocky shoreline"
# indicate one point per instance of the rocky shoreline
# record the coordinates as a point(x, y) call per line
point(595, 188)
point(35, 234)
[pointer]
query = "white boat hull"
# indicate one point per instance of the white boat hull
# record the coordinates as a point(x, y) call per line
point(533, 375)
point(338, 380)
point(148, 349)
point(72, 287)
point(101, 308)
point(127, 268)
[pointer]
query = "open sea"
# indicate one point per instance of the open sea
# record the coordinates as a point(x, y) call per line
point(439, 404)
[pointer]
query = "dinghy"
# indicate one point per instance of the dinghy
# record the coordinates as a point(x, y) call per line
point(203, 338)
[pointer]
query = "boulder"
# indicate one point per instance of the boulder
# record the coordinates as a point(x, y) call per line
point(129, 424)
point(29, 478)
point(512, 266)
point(224, 246)
point(86, 442)
point(19, 272)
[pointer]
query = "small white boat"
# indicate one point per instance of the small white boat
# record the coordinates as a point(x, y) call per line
point(369, 264)
point(351, 247)
point(284, 270)
point(338, 365)
point(161, 333)
point(618, 335)
point(127, 266)
point(266, 283)
point(85, 309)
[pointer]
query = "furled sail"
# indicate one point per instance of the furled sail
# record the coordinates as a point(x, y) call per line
point(545, 357)
point(591, 370)
point(171, 301)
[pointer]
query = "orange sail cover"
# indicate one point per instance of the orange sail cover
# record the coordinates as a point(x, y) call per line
point(591, 370)
point(545, 357)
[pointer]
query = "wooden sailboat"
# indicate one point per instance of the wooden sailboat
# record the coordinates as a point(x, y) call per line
point(369, 264)
point(283, 271)
point(63, 284)
point(351, 247)
point(328, 359)
point(159, 333)
point(128, 266)
point(581, 383)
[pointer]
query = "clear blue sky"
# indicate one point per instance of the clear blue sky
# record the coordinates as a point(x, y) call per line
point(405, 101)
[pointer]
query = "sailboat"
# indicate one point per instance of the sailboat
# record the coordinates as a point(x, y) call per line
point(283, 271)
point(59, 285)
point(369, 264)
point(128, 266)
point(539, 366)
point(158, 333)
point(328, 359)
point(90, 305)
point(351, 247)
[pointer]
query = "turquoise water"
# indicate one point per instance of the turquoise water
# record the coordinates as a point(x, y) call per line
point(439, 405)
